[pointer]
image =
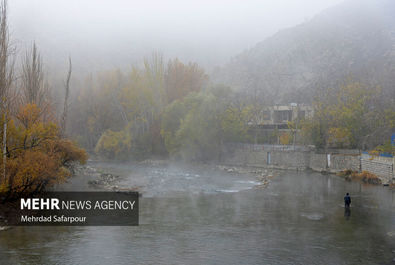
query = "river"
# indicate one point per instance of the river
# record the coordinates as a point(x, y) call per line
point(204, 215)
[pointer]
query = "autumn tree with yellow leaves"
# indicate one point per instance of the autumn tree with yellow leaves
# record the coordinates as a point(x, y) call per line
point(349, 116)
point(35, 156)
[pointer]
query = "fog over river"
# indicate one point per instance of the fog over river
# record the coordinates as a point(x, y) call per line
point(200, 214)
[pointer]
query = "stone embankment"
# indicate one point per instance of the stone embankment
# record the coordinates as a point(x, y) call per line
point(329, 161)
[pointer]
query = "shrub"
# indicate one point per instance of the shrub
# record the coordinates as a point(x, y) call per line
point(367, 177)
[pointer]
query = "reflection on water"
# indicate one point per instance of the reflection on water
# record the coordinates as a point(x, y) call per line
point(347, 212)
point(199, 215)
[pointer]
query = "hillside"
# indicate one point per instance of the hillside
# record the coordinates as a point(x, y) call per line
point(355, 39)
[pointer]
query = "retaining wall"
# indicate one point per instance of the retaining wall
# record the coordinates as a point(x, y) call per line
point(340, 162)
point(302, 160)
point(379, 168)
point(318, 162)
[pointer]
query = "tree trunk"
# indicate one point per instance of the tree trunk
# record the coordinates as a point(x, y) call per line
point(66, 98)
point(4, 147)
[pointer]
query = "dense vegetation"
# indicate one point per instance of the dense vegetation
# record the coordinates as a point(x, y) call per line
point(35, 152)
point(157, 110)
point(175, 111)
point(350, 116)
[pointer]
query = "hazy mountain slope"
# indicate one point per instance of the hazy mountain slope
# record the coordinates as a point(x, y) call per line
point(353, 40)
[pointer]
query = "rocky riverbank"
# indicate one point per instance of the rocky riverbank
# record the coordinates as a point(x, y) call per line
point(101, 180)
point(262, 175)
point(109, 177)
point(3, 224)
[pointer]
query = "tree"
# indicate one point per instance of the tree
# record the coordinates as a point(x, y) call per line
point(172, 118)
point(285, 138)
point(37, 156)
point(114, 145)
point(6, 79)
point(154, 76)
point(183, 79)
point(66, 98)
point(97, 107)
point(344, 117)
point(197, 127)
point(34, 88)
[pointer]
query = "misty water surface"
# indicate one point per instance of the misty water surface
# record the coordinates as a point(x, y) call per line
point(202, 215)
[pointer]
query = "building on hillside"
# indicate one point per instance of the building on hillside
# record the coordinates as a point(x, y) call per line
point(272, 125)
point(282, 114)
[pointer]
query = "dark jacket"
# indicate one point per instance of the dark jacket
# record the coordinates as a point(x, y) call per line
point(347, 199)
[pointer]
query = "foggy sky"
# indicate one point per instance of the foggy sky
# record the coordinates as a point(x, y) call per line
point(118, 33)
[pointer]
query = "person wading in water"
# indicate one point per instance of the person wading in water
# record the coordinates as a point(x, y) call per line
point(347, 200)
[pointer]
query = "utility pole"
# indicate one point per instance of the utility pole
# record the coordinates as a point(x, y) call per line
point(293, 105)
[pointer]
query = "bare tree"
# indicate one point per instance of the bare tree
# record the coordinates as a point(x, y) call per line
point(34, 89)
point(66, 98)
point(6, 77)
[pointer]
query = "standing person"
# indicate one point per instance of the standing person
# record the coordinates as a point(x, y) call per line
point(347, 200)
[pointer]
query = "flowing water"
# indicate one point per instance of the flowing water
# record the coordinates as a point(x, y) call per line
point(203, 215)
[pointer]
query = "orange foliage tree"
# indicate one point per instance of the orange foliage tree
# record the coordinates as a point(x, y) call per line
point(37, 156)
point(182, 79)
